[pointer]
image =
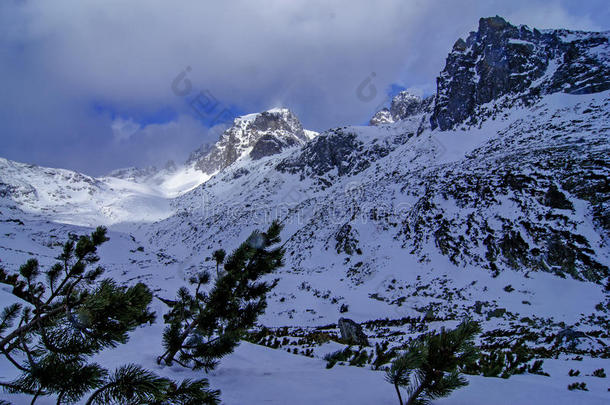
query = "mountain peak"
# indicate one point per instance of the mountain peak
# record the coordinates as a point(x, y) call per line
point(255, 135)
point(279, 112)
point(501, 59)
point(493, 24)
point(404, 105)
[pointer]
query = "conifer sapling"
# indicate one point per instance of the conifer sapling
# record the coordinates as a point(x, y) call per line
point(430, 367)
point(65, 315)
point(205, 326)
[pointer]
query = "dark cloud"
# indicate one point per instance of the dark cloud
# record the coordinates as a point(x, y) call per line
point(60, 59)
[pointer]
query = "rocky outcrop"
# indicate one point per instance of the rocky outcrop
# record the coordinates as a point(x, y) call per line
point(501, 59)
point(257, 135)
point(338, 152)
point(269, 145)
point(334, 149)
point(404, 105)
point(352, 333)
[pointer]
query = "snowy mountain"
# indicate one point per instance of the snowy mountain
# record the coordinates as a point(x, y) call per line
point(501, 59)
point(255, 136)
point(146, 174)
point(70, 197)
point(489, 199)
point(144, 194)
point(403, 105)
point(490, 218)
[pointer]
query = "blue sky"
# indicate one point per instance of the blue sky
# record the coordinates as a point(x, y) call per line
point(89, 85)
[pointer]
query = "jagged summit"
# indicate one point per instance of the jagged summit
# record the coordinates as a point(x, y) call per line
point(404, 105)
point(255, 135)
point(502, 59)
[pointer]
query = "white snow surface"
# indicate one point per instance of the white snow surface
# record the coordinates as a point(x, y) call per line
point(180, 220)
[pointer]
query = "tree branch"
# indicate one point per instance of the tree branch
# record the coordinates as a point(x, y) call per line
point(27, 327)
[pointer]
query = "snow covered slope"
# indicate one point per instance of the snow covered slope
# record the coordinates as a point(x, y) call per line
point(489, 200)
point(362, 205)
point(70, 197)
point(144, 194)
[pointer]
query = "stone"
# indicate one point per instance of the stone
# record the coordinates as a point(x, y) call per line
point(352, 333)
point(570, 335)
point(556, 199)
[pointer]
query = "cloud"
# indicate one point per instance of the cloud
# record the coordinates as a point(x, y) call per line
point(60, 58)
point(123, 129)
point(555, 15)
point(155, 144)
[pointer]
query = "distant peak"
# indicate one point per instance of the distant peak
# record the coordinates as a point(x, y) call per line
point(278, 111)
point(407, 95)
point(404, 105)
point(255, 135)
point(496, 23)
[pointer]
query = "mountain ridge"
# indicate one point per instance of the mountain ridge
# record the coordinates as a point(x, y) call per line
point(501, 59)
point(404, 218)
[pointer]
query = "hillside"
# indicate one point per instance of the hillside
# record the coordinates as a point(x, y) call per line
point(489, 200)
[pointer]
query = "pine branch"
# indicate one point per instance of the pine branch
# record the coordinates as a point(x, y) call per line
point(29, 326)
point(130, 384)
point(423, 368)
point(205, 327)
point(56, 343)
point(9, 314)
point(12, 388)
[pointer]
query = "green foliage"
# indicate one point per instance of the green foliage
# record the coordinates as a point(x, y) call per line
point(498, 365)
point(131, 384)
point(489, 365)
point(382, 355)
point(219, 257)
point(600, 372)
point(536, 368)
point(360, 358)
point(356, 358)
point(338, 356)
point(506, 362)
point(202, 327)
point(578, 386)
point(66, 315)
point(190, 392)
point(430, 367)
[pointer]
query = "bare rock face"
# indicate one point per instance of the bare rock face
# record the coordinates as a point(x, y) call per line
point(404, 105)
point(257, 135)
point(331, 150)
point(269, 145)
point(502, 59)
point(352, 333)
